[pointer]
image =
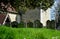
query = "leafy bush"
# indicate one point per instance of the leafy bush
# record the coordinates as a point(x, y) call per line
point(14, 24)
point(21, 24)
point(50, 24)
point(38, 24)
point(8, 25)
point(30, 24)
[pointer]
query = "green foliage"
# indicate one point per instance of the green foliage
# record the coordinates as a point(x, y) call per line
point(7, 24)
point(47, 3)
point(30, 24)
point(14, 24)
point(33, 3)
point(21, 24)
point(7, 33)
point(30, 3)
point(24, 9)
point(50, 24)
point(38, 24)
point(28, 33)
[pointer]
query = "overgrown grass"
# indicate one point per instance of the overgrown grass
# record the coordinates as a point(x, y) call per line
point(28, 33)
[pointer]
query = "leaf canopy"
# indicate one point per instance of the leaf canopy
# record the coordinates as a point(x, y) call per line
point(31, 4)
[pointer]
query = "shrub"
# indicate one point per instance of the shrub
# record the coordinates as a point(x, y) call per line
point(38, 24)
point(14, 24)
point(21, 24)
point(30, 24)
point(7, 23)
point(50, 24)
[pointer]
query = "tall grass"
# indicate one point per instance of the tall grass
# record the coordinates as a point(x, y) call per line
point(28, 33)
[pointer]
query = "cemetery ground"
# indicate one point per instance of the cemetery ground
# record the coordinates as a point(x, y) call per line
point(28, 33)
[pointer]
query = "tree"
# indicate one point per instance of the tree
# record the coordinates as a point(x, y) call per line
point(56, 10)
point(30, 3)
point(14, 24)
point(38, 24)
point(21, 12)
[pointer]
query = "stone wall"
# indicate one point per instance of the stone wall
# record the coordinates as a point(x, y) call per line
point(31, 15)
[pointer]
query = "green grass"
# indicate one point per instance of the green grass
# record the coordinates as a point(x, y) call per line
point(28, 33)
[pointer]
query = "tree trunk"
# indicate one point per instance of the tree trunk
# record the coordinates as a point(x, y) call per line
point(20, 18)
